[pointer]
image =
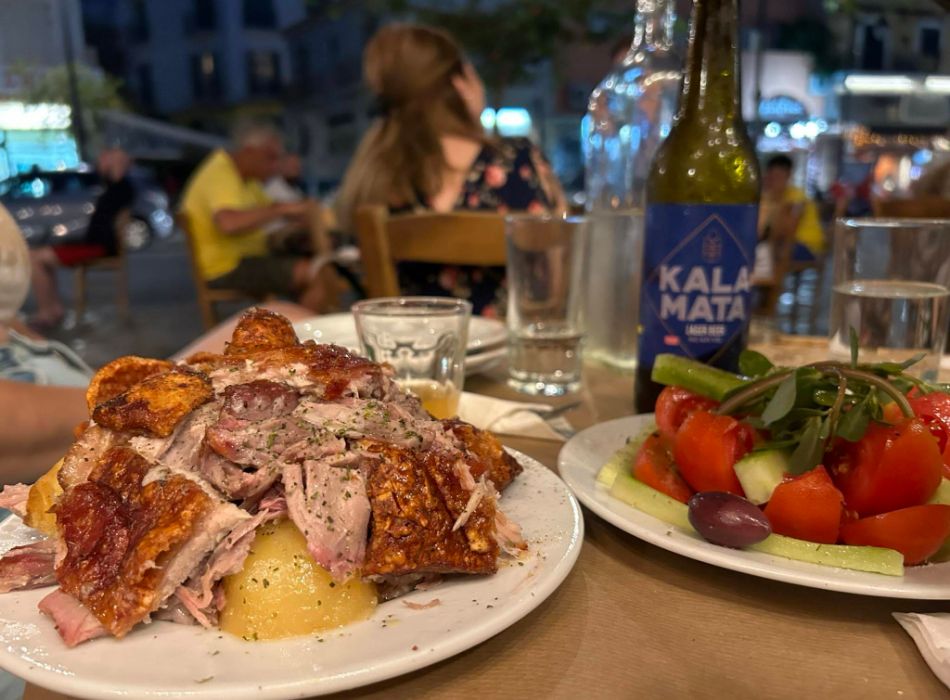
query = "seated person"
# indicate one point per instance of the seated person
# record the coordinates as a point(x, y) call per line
point(228, 214)
point(109, 217)
point(787, 217)
point(428, 151)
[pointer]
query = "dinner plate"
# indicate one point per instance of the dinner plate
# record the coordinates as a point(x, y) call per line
point(165, 660)
point(487, 337)
point(585, 453)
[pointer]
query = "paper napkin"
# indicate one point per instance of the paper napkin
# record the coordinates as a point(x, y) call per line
point(931, 634)
point(511, 417)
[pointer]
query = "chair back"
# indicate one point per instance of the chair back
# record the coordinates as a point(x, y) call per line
point(206, 296)
point(458, 238)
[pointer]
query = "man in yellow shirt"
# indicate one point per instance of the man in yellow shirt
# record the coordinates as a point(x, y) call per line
point(228, 212)
point(786, 214)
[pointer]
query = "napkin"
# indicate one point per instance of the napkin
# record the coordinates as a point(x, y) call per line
point(931, 634)
point(511, 417)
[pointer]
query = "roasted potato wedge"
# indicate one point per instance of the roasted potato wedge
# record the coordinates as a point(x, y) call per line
point(43, 495)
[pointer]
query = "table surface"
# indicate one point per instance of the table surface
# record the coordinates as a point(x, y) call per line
point(633, 620)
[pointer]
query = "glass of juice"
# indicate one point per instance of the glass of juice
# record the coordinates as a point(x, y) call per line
point(892, 286)
point(424, 340)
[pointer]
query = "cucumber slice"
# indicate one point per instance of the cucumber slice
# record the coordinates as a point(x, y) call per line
point(642, 497)
point(760, 472)
point(942, 494)
point(711, 382)
point(877, 560)
point(622, 461)
point(873, 559)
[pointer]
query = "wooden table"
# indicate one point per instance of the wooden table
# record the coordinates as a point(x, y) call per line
point(633, 620)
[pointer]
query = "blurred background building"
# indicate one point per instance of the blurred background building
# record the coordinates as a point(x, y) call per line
point(849, 88)
point(36, 132)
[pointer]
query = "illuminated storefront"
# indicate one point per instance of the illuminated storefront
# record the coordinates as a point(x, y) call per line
point(35, 135)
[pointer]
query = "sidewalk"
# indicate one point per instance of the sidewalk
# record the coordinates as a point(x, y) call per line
point(164, 312)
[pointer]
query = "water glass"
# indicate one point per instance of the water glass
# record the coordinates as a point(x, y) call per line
point(612, 291)
point(546, 267)
point(424, 339)
point(892, 286)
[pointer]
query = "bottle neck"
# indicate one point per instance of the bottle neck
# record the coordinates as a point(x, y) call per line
point(653, 25)
point(711, 79)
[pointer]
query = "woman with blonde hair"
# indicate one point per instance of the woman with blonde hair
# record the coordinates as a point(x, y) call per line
point(428, 151)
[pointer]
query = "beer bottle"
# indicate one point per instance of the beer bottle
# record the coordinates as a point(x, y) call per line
point(702, 204)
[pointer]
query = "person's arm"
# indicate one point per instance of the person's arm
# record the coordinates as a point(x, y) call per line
point(240, 221)
point(37, 427)
point(549, 182)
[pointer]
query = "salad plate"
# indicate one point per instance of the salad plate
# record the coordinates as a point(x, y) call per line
point(165, 660)
point(582, 457)
point(487, 337)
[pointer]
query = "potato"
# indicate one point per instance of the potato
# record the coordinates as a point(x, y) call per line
point(282, 592)
point(43, 494)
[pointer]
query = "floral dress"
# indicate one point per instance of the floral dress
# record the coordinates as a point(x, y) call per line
point(506, 176)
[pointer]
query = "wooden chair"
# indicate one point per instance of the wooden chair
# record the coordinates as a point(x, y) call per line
point(207, 296)
point(460, 238)
point(117, 263)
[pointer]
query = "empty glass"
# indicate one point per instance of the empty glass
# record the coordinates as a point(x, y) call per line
point(892, 286)
point(424, 339)
point(546, 265)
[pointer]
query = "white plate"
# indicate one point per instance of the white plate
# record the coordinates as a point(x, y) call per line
point(583, 456)
point(164, 660)
point(483, 333)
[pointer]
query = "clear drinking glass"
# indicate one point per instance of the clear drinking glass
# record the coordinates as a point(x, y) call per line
point(612, 289)
point(892, 285)
point(546, 266)
point(424, 339)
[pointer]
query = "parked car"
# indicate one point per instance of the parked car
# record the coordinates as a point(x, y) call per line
point(54, 207)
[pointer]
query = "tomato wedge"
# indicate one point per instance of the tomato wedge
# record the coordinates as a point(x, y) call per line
point(934, 410)
point(654, 466)
point(706, 448)
point(891, 467)
point(808, 507)
point(674, 405)
point(916, 532)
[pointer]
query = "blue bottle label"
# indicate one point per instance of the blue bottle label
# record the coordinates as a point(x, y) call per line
point(697, 264)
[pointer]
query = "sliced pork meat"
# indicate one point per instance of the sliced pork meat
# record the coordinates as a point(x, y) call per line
point(74, 623)
point(258, 443)
point(198, 593)
point(175, 612)
point(180, 450)
point(85, 453)
point(14, 497)
point(29, 566)
point(147, 529)
point(259, 399)
point(371, 418)
point(412, 529)
point(131, 541)
point(233, 481)
point(326, 499)
point(327, 371)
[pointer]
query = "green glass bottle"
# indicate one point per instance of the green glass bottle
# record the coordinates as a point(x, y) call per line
point(702, 204)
